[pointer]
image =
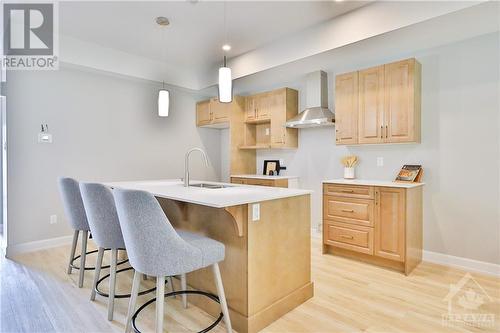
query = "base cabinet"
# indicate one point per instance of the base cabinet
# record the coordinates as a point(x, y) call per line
point(377, 224)
point(261, 181)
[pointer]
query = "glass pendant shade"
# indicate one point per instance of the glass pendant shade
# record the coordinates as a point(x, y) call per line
point(163, 102)
point(225, 84)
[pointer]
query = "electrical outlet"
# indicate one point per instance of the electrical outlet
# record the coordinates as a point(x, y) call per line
point(380, 161)
point(44, 138)
point(53, 219)
point(255, 212)
point(267, 131)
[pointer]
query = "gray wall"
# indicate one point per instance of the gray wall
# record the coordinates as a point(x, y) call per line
point(459, 149)
point(105, 128)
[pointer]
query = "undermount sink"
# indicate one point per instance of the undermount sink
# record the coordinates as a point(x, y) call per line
point(210, 186)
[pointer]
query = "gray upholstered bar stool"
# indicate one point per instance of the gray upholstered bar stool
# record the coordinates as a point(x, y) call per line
point(105, 227)
point(73, 206)
point(155, 248)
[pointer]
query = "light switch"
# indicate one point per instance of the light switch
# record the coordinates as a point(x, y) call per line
point(255, 212)
point(380, 161)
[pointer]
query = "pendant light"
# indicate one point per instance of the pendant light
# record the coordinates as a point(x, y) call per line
point(163, 94)
point(163, 101)
point(225, 80)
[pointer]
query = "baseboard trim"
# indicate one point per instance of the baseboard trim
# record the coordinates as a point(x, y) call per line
point(43, 244)
point(463, 263)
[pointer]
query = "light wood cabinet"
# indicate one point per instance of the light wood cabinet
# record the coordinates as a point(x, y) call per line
point(212, 113)
point(402, 101)
point(260, 181)
point(379, 104)
point(266, 115)
point(346, 108)
point(371, 105)
point(390, 223)
point(377, 224)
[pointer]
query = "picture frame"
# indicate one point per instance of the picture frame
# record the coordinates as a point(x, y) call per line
point(271, 166)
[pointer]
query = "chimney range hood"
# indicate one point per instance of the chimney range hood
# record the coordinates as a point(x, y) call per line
point(317, 113)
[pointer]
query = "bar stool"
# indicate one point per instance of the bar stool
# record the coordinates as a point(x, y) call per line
point(73, 206)
point(155, 248)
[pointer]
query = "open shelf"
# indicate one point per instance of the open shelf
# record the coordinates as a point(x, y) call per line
point(257, 135)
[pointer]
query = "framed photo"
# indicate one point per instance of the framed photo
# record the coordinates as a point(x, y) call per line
point(271, 167)
point(410, 173)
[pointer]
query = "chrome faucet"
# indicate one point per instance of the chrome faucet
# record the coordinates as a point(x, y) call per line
point(186, 164)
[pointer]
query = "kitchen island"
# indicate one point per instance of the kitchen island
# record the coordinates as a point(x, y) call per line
point(266, 232)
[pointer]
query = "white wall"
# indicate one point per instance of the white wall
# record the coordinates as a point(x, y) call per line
point(105, 128)
point(459, 149)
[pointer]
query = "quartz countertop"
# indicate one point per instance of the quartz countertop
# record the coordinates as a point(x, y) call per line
point(367, 182)
point(232, 195)
point(264, 177)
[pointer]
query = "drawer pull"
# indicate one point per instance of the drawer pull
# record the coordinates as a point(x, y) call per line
point(348, 210)
point(348, 191)
point(347, 237)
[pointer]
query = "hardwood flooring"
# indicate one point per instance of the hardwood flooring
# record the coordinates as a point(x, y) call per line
point(36, 295)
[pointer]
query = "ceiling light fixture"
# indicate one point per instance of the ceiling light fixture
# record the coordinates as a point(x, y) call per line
point(163, 94)
point(225, 80)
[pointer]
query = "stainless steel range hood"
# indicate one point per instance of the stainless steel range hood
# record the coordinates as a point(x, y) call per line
point(317, 113)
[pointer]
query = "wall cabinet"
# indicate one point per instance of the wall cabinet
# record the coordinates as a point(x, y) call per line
point(265, 118)
point(212, 113)
point(377, 224)
point(379, 104)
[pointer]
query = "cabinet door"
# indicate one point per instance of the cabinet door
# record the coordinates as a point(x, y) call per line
point(220, 111)
point(250, 108)
point(400, 101)
point(277, 108)
point(203, 113)
point(390, 223)
point(371, 105)
point(346, 108)
point(264, 105)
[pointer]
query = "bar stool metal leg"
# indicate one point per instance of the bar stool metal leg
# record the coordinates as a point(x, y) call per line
point(97, 272)
point(184, 287)
point(160, 299)
point(112, 283)
point(222, 297)
point(85, 235)
point(133, 300)
point(73, 250)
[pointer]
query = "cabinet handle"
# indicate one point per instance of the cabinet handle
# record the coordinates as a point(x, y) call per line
point(347, 237)
point(376, 198)
point(386, 131)
point(348, 191)
point(381, 132)
point(348, 210)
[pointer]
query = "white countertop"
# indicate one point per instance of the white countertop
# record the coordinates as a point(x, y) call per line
point(233, 195)
point(264, 177)
point(385, 183)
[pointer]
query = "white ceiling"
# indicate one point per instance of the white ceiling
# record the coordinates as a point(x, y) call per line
point(196, 33)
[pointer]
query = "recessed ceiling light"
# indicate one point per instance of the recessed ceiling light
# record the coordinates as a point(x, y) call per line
point(226, 47)
point(162, 20)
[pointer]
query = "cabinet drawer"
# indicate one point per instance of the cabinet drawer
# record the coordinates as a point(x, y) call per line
point(260, 182)
point(348, 210)
point(350, 191)
point(354, 238)
point(237, 180)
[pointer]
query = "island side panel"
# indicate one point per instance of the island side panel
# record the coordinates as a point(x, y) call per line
point(217, 224)
point(279, 259)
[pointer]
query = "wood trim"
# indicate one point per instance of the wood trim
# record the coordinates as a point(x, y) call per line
point(392, 264)
point(238, 213)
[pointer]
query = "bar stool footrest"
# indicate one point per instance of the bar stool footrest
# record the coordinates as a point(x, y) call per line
point(92, 268)
point(180, 292)
point(120, 295)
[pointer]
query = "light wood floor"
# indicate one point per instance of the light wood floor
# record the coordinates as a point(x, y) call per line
point(38, 296)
